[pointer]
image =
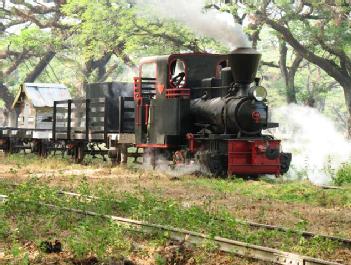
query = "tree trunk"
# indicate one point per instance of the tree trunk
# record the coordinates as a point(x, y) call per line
point(8, 98)
point(288, 74)
point(90, 66)
point(347, 94)
point(40, 67)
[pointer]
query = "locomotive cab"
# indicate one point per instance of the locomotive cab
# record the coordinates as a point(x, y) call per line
point(162, 93)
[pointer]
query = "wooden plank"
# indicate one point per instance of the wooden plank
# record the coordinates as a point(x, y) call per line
point(97, 100)
point(97, 104)
point(61, 120)
point(62, 110)
point(96, 128)
point(76, 128)
point(97, 119)
point(61, 136)
point(97, 124)
point(97, 109)
point(97, 114)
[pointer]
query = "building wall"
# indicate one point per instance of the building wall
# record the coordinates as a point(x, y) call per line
point(27, 114)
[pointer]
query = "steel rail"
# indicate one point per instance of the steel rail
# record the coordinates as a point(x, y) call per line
point(306, 234)
point(190, 237)
point(303, 233)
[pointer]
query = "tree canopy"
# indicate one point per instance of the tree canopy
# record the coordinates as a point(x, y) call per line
point(305, 45)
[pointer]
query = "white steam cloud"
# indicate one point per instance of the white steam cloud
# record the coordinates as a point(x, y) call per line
point(162, 165)
point(210, 23)
point(318, 148)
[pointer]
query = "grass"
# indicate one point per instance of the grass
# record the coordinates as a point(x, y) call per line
point(286, 191)
point(86, 235)
point(21, 222)
point(279, 190)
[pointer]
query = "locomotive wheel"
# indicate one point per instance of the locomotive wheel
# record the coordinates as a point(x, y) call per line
point(216, 166)
point(212, 163)
point(285, 160)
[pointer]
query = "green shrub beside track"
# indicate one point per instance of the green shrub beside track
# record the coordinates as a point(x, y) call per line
point(343, 176)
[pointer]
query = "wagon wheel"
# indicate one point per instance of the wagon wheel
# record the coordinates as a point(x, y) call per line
point(43, 151)
point(79, 153)
point(7, 146)
point(13, 149)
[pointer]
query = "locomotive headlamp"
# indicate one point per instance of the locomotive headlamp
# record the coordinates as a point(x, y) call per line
point(259, 93)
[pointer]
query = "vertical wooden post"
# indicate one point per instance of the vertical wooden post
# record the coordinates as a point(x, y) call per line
point(69, 118)
point(120, 113)
point(54, 122)
point(87, 118)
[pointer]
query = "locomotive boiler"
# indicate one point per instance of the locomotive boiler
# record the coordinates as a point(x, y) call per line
point(242, 110)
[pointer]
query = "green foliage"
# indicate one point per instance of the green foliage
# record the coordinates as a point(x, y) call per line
point(90, 236)
point(343, 176)
point(31, 38)
point(118, 27)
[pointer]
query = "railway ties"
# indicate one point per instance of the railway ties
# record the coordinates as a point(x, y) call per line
point(237, 248)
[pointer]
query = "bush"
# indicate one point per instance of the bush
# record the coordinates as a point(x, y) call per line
point(343, 176)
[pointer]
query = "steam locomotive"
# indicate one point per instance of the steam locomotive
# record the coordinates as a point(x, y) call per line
point(200, 108)
point(207, 108)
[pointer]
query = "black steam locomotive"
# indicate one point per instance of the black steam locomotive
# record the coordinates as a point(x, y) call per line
point(207, 108)
point(196, 107)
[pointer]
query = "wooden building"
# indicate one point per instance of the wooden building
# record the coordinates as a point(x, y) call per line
point(33, 105)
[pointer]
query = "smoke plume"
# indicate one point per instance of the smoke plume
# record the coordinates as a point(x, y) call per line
point(210, 23)
point(318, 148)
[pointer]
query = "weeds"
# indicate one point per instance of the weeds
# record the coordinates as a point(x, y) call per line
point(87, 235)
point(287, 191)
point(343, 176)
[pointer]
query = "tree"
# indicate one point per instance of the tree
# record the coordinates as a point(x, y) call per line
point(289, 73)
point(318, 32)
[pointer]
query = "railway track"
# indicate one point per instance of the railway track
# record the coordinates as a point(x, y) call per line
point(194, 238)
point(306, 234)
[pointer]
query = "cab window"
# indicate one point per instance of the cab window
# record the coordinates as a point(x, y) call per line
point(178, 74)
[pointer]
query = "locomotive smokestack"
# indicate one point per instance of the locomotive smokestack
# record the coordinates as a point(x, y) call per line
point(244, 64)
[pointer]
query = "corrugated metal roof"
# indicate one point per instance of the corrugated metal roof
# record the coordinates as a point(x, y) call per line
point(44, 95)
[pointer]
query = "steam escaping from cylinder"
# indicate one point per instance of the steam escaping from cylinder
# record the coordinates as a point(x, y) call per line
point(164, 166)
point(209, 23)
point(318, 148)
